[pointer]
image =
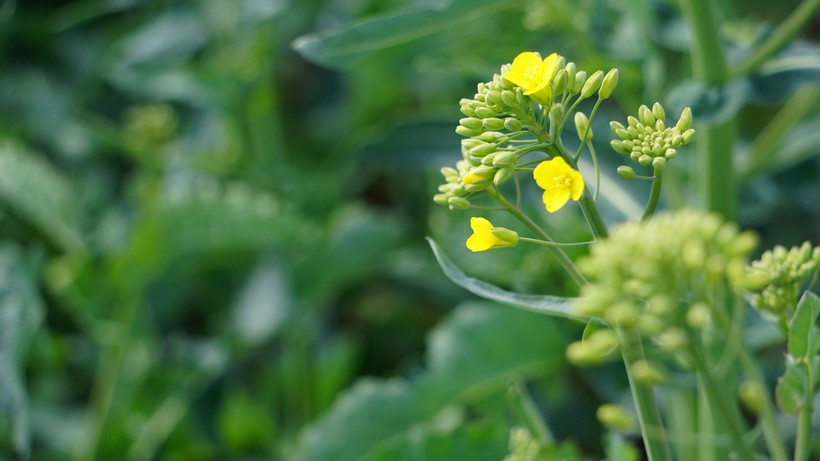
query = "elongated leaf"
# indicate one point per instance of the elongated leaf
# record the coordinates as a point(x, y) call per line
point(475, 442)
point(544, 304)
point(21, 312)
point(474, 353)
point(798, 385)
point(40, 195)
point(344, 48)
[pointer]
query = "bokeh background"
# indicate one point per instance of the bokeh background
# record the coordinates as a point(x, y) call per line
point(213, 212)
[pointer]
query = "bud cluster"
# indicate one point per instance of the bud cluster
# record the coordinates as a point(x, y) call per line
point(647, 139)
point(657, 276)
point(783, 273)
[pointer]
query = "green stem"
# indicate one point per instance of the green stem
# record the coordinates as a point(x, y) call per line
point(716, 400)
point(714, 143)
point(779, 38)
point(764, 146)
point(558, 253)
point(649, 416)
point(774, 441)
point(554, 244)
point(654, 195)
point(802, 449)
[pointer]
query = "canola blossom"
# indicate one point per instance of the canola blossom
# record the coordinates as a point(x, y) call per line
point(559, 181)
point(487, 237)
point(534, 75)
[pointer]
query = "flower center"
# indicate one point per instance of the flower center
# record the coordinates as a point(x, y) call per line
point(562, 181)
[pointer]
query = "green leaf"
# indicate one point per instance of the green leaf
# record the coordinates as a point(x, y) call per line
point(40, 195)
point(483, 441)
point(474, 353)
point(544, 304)
point(346, 47)
point(797, 387)
point(21, 313)
point(618, 449)
point(803, 333)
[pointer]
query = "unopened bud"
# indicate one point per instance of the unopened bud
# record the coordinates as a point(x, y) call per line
point(647, 372)
point(493, 124)
point(503, 158)
point(509, 237)
point(484, 112)
point(673, 339)
point(503, 175)
point(580, 79)
point(441, 199)
point(698, 316)
point(482, 150)
point(556, 113)
point(559, 83)
point(646, 116)
point(614, 417)
point(592, 84)
point(752, 396)
point(659, 163)
point(657, 110)
point(458, 203)
point(582, 127)
point(685, 120)
point(512, 124)
point(626, 173)
point(688, 136)
point(467, 132)
point(609, 83)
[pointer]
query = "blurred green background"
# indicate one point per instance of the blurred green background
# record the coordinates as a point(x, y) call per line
point(212, 222)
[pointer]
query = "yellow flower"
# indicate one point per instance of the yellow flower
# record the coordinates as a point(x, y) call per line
point(487, 237)
point(559, 181)
point(533, 75)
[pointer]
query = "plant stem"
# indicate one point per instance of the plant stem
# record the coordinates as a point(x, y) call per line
point(558, 253)
point(554, 244)
point(715, 143)
point(803, 443)
point(779, 38)
point(654, 195)
point(649, 416)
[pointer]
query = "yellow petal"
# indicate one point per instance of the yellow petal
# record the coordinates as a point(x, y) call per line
point(526, 70)
point(482, 239)
point(550, 66)
point(546, 172)
point(577, 185)
point(555, 198)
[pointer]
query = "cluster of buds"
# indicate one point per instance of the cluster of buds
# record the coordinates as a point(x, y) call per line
point(510, 107)
point(657, 277)
point(647, 139)
point(783, 274)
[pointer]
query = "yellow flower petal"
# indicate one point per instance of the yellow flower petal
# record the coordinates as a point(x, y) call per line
point(555, 198)
point(526, 70)
point(577, 187)
point(546, 172)
point(482, 239)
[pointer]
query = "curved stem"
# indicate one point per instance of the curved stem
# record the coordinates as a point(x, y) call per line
point(649, 416)
point(558, 253)
point(554, 244)
point(597, 172)
point(654, 195)
point(779, 38)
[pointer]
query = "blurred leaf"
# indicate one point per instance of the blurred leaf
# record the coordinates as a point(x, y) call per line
point(710, 103)
point(344, 48)
point(263, 304)
point(796, 388)
point(618, 449)
point(40, 195)
point(21, 312)
point(171, 36)
point(544, 304)
point(469, 358)
point(481, 441)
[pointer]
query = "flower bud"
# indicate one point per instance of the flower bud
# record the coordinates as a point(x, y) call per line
point(646, 116)
point(482, 150)
point(508, 236)
point(441, 199)
point(673, 339)
point(458, 203)
point(626, 172)
point(503, 175)
point(582, 127)
point(752, 396)
point(493, 124)
point(592, 84)
point(648, 373)
point(467, 132)
point(503, 158)
point(614, 417)
point(659, 163)
point(688, 136)
point(685, 120)
point(470, 122)
point(609, 83)
point(619, 146)
point(645, 160)
point(484, 112)
point(509, 98)
point(513, 124)
point(559, 83)
point(580, 78)
point(657, 110)
point(698, 316)
point(556, 113)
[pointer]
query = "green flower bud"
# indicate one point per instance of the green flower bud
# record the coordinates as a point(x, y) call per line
point(513, 124)
point(505, 235)
point(685, 120)
point(580, 79)
point(449, 172)
point(488, 160)
point(503, 175)
point(467, 132)
point(458, 203)
point(674, 339)
point(688, 136)
point(494, 98)
point(648, 373)
point(582, 127)
point(646, 116)
point(504, 158)
point(659, 163)
point(441, 199)
point(484, 112)
point(468, 111)
point(752, 396)
point(626, 172)
point(470, 122)
point(556, 113)
point(698, 316)
point(482, 150)
point(592, 84)
point(509, 98)
point(657, 110)
point(621, 314)
point(493, 124)
point(493, 137)
point(559, 83)
point(670, 153)
point(619, 146)
point(614, 417)
point(615, 126)
point(609, 83)
point(645, 160)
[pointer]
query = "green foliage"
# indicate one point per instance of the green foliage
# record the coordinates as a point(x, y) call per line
point(798, 386)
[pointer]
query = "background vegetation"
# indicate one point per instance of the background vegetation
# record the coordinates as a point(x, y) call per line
point(214, 211)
